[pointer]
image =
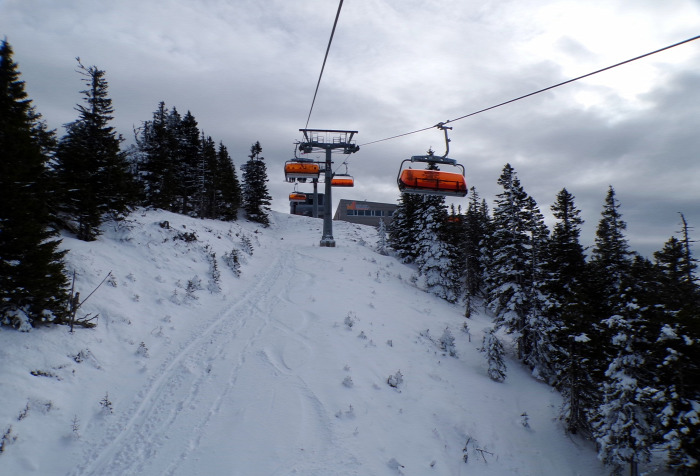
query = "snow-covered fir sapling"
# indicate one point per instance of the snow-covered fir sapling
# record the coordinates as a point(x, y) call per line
point(233, 261)
point(395, 380)
point(106, 404)
point(350, 320)
point(447, 342)
point(214, 285)
point(347, 382)
point(493, 349)
point(465, 329)
point(75, 427)
point(193, 285)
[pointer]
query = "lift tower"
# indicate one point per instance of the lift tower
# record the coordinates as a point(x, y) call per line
point(328, 140)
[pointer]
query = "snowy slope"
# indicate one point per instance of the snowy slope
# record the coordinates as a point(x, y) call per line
point(280, 371)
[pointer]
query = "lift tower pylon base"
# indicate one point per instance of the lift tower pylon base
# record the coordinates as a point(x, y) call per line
point(328, 140)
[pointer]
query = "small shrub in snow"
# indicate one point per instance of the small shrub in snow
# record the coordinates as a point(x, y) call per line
point(75, 427)
point(350, 320)
point(111, 280)
point(142, 350)
point(214, 285)
point(193, 285)
point(390, 343)
point(7, 439)
point(23, 413)
point(349, 413)
point(246, 245)
point(106, 404)
point(395, 380)
point(447, 343)
point(233, 261)
point(362, 335)
point(525, 420)
point(347, 381)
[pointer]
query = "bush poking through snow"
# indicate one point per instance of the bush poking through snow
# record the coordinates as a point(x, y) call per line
point(395, 380)
point(350, 320)
point(7, 439)
point(106, 404)
point(75, 427)
point(214, 285)
point(142, 350)
point(347, 382)
point(193, 285)
point(233, 261)
point(447, 343)
point(525, 420)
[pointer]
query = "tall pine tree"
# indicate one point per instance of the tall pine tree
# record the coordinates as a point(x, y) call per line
point(93, 174)
point(255, 195)
point(508, 268)
point(32, 275)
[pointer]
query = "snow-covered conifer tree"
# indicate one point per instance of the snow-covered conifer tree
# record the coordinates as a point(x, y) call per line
point(255, 195)
point(433, 254)
point(493, 349)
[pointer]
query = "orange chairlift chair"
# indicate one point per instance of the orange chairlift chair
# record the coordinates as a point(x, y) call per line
point(301, 170)
point(431, 181)
point(343, 180)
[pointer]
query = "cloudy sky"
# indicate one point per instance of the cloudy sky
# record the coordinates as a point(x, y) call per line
point(247, 70)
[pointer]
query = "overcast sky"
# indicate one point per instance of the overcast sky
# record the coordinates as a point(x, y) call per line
point(247, 70)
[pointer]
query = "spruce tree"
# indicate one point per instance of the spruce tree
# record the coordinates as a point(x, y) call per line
point(604, 293)
point(434, 254)
point(158, 171)
point(492, 347)
point(32, 274)
point(207, 203)
point(92, 172)
point(476, 229)
point(571, 327)
point(228, 188)
point(678, 354)
point(508, 268)
point(255, 195)
point(186, 159)
point(403, 231)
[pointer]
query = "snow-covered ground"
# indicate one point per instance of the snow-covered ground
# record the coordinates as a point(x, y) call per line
point(283, 370)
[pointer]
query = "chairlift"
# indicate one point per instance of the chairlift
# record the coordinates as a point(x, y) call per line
point(432, 181)
point(343, 180)
point(301, 170)
point(297, 197)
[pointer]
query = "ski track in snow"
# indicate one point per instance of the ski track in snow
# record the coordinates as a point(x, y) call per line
point(184, 381)
point(202, 377)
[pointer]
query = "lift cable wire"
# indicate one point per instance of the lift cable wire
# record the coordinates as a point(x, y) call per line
point(330, 40)
point(537, 92)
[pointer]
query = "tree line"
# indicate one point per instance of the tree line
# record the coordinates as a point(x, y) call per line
point(78, 181)
point(615, 333)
